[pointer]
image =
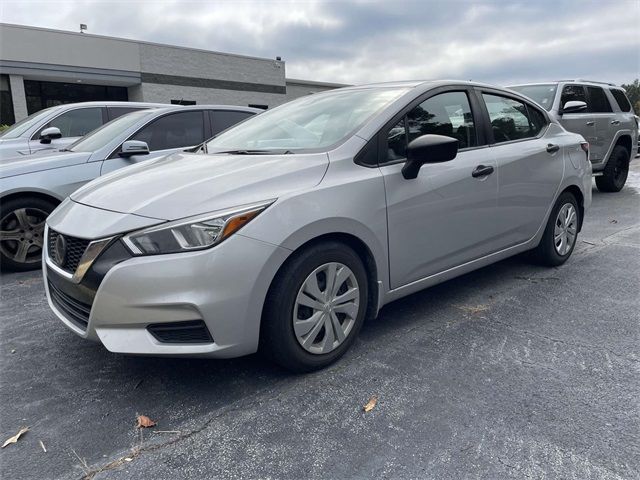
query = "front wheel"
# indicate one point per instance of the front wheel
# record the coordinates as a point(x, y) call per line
point(22, 232)
point(315, 307)
point(561, 232)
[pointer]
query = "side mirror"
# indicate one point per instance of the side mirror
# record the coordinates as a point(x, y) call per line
point(428, 149)
point(133, 147)
point(50, 133)
point(574, 106)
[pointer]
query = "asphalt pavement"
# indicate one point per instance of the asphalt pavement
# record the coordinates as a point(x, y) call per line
point(513, 371)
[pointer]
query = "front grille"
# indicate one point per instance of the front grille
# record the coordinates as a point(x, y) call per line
point(75, 248)
point(74, 310)
point(194, 331)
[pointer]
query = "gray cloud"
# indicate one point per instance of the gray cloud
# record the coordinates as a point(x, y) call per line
point(362, 41)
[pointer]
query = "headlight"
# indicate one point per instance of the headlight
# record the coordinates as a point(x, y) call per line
point(194, 233)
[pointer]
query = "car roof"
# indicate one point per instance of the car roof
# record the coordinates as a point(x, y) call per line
point(423, 84)
point(232, 108)
point(557, 82)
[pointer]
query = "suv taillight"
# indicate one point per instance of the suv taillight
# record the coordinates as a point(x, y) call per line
point(585, 148)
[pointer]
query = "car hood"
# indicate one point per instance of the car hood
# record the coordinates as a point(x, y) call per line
point(185, 184)
point(40, 161)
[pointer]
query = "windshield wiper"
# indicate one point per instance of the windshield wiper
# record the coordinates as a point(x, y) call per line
point(254, 152)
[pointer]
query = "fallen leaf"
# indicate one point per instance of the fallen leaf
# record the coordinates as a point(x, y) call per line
point(473, 309)
point(15, 438)
point(371, 404)
point(145, 422)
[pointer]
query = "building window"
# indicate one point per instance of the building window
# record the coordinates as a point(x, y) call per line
point(183, 102)
point(49, 94)
point(255, 105)
point(6, 102)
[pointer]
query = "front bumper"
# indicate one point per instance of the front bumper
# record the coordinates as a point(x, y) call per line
point(224, 286)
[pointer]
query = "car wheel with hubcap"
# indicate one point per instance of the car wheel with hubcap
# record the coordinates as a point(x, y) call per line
point(315, 307)
point(615, 171)
point(22, 232)
point(561, 232)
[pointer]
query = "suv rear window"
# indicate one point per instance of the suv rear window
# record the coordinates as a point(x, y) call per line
point(598, 101)
point(621, 99)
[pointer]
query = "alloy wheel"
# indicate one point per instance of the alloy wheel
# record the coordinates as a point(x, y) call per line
point(326, 308)
point(22, 235)
point(566, 229)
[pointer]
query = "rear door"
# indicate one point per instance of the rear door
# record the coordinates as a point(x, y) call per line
point(444, 217)
point(164, 135)
point(606, 124)
point(530, 165)
point(583, 122)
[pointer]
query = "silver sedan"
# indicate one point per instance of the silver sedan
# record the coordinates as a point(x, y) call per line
point(285, 232)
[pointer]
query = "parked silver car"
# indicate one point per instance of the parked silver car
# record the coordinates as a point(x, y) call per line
point(56, 127)
point(289, 229)
point(601, 113)
point(31, 187)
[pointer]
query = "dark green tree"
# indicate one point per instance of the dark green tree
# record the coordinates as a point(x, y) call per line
point(633, 92)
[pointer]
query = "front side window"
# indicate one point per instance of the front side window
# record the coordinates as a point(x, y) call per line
point(446, 114)
point(573, 93)
point(510, 119)
point(177, 130)
point(76, 123)
point(621, 99)
point(314, 122)
point(598, 101)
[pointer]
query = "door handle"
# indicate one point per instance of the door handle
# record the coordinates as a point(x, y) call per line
point(591, 123)
point(482, 171)
point(615, 122)
point(551, 148)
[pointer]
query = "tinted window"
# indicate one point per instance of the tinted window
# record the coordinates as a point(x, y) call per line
point(573, 93)
point(115, 112)
point(176, 130)
point(621, 100)
point(536, 119)
point(76, 123)
point(510, 119)
point(444, 114)
point(541, 94)
point(598, 101)
point(221, 120)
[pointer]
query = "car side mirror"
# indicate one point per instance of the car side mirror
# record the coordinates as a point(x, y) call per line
point(574, 106)
point(133, 147)
point(50, 133)
point(428, 149)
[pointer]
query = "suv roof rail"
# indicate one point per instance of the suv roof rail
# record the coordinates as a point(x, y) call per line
point(588, 81)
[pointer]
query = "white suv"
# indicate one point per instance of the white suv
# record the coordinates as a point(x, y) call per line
point(602, 114)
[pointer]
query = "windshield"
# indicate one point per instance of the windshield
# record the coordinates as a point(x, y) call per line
point(105, 134)
point(541, 94)
point(25, 124)
point(314, 122)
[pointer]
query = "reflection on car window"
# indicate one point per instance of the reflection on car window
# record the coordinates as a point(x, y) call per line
point(444, 114)
point(510, 119)
point(541, 94)
point(77, 123)
point(177, 130)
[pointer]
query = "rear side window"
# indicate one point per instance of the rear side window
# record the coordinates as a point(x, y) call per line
point(115, 112)
point(76, 123)
point(511, 119)
point(223, 119)
point(621, 99)
point(573, 93)
point(443, 114)
point(176, 130)
point(598, 101)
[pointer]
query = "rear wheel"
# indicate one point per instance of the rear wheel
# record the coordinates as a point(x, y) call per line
point(615, 171)
point(22, 232)
point(561, 232)
point(315, 307)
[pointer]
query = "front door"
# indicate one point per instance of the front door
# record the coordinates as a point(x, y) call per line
point(583, 122)
point(444, 217)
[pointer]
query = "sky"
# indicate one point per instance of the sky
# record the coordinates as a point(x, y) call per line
point(494, 41)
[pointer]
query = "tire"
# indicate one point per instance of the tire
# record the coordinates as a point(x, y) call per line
point(547, 252)
point(615, 171)
point(281, 341)
point(22, 232)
